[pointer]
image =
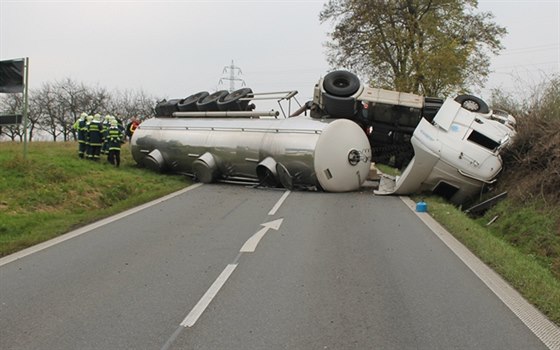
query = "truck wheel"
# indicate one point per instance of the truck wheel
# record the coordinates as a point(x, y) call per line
point(473, 104)
point(341, 83)
point(339, 107)
point(166, 108)
point(189, 103)
point(231, 101)
point(210, 102)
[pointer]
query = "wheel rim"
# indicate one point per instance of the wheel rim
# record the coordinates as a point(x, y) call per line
point(471, 105)
point(341, 83)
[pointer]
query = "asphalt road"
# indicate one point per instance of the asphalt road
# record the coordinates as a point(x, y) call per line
point(200, 271)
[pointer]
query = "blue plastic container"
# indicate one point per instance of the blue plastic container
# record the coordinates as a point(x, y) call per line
point(421, 207)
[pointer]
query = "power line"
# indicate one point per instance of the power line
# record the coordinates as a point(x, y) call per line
point(529, 65)
point(551, 45)
point(529, 50)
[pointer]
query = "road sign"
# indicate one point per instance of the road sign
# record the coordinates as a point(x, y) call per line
point(11, 119)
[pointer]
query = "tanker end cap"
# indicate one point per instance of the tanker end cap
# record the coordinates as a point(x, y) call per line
point(342, 157)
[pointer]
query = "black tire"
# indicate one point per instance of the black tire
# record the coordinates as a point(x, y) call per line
point(231, 102)
point(341, 83)
point(166, 108)
point(158, 112)
point(210, 102)
point(339, 107)
point(473, 104)
point(189, 103)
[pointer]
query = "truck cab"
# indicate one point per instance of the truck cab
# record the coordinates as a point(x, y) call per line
point(450, 147)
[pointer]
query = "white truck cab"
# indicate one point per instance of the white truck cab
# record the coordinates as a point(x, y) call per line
point(453, 145)
point(454, 155)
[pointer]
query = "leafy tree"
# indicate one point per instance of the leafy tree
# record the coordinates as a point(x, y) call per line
point(429, 47)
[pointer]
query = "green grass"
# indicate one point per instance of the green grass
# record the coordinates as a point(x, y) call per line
point(533, 228)
point(521, 264)
point(387, 169)
point(53, 191)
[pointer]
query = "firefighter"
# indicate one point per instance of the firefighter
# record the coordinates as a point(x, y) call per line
point(106, 125)
point(121, 126)
point(89, 119)
point(80, 127)
point(130, 127)
point(95, 138)
point(115, 138)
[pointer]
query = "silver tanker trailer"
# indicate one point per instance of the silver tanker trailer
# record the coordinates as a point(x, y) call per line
point(235, 145)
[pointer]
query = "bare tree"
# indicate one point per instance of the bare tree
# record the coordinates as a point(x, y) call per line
point(95, 100)
point(71, 95)
point(33, 115)
point(48, 109)
point(128, 103)
point(12, 104)
point(13, 132)
point(55, 107)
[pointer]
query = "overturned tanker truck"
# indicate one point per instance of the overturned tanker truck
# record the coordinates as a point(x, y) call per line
point(452, 147)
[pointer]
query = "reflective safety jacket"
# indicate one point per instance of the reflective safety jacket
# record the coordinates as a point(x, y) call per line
point(114, 138)
point(95, 133)
point(81, 129)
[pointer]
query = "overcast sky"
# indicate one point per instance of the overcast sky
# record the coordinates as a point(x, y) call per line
point(175, 48)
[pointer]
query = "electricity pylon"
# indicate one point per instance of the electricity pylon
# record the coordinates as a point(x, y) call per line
point(234, 71)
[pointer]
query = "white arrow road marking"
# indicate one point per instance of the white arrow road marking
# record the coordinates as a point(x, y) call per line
point(203, 303)
point(207, 298)
point(251, 244)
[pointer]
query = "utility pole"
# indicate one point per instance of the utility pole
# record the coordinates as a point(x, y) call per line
point(233, 72)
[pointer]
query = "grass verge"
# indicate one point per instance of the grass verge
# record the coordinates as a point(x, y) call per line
point(52, 191)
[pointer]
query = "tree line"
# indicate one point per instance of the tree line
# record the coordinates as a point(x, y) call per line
point(54, 108)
